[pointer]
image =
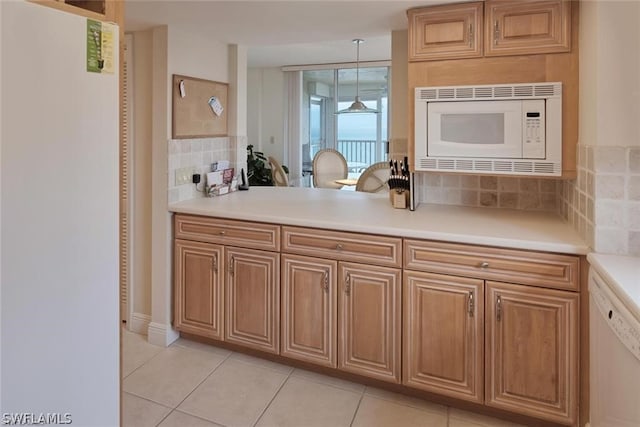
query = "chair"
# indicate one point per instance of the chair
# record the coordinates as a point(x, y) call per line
point(278, 175)
point(374, 178)
point(329, 165)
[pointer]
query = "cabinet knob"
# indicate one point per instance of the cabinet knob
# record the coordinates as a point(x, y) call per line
point(339, 247)
point(222, 232)
point(484, 264)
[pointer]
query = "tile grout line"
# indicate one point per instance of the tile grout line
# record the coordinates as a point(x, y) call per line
point(146, 361)
point(273, 398)
point(165, 417)
point(198, 385)
point(355, 413)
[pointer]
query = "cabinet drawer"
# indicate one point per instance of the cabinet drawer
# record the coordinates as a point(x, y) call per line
point(514, 266)
point(377, 250)
point(228, 232)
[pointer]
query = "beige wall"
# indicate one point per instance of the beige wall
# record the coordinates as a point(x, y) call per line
point(140, 295)
point(159, 53)
point(399, 129)
point(610, 73)
point(603, 204)
point(265, 110)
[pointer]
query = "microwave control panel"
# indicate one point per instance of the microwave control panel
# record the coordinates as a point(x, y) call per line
point(533, 135)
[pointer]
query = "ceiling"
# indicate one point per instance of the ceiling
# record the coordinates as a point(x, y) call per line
point(281, 33)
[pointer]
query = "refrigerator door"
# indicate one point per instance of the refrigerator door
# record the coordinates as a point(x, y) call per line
point(59, 220)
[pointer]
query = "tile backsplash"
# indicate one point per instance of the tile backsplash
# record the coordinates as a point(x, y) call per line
point(603, 204)
point(488, 191)
point(197, 154)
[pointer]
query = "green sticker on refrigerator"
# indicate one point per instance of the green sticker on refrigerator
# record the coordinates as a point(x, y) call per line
point(94, 46)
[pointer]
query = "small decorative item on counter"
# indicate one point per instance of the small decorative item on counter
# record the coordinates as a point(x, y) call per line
point(399, 184)
point(221, 182)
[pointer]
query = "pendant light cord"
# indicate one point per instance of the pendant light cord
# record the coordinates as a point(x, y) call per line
point(357, 42)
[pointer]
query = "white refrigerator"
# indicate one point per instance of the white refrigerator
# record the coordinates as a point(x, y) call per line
point(59, 332)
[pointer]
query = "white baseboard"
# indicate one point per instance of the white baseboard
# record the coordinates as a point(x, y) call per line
point(160, 334)
point(140, 323)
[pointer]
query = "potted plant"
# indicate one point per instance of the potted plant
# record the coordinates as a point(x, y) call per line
point(258, 172)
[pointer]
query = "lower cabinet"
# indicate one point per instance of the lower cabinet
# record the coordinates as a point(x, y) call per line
point(369, 321)
point(199, 290)
point(342, 314)
point(309, 313)
point(498, 327)
point(532, 351)
point(443, 335)
point(252, 288)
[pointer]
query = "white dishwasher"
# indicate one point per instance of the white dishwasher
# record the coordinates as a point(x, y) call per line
point(614, 331)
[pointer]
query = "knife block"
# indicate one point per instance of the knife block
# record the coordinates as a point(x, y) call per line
point(399, 198)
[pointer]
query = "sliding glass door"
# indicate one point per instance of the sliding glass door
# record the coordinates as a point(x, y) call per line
point(361, 138)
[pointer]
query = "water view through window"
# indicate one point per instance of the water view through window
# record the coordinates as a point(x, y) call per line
point(361, 138)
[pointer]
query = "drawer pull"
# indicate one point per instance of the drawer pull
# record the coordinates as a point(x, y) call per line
point(339, 247)
point(499, 308)
point(347, 285)
point(471, 304)
point(325, 281)
point(231, 263)
point(484, 265)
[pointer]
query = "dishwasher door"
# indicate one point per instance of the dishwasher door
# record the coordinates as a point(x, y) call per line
point(615, 358)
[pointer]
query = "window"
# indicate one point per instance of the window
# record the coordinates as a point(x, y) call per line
point(361, 138)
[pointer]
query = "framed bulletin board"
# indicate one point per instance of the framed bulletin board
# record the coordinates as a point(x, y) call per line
point(199, 108)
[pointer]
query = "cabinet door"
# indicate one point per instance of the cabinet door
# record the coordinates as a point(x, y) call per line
point(369, 320)
point(198, 289)
point(443, 341)
point(527, 27)
point(445, 32)
point(309, 309)
point(532, 351)
point(253, 298)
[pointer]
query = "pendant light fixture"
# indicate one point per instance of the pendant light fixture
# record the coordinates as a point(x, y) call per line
point(357, 106)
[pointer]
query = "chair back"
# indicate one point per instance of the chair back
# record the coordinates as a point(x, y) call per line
point(328, 166)
point(374, 178)
point(278, 175)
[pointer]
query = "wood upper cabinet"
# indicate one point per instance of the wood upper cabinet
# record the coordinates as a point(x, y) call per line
point(532, 351)
point(445, 32)
point(309, 313)
point(252, 287)
point(443, 334)
point(369, 334)
point(198, 288)
point(527, 27)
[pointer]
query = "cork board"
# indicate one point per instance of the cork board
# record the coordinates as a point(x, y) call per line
point(193, 116)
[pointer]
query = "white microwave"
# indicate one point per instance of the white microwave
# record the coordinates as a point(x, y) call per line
point(513, 129)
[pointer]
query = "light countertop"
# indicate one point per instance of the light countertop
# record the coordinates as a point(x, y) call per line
point(372, 213)
point(622, 274)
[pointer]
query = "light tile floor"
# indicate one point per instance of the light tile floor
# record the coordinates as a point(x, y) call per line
point(189, 384)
